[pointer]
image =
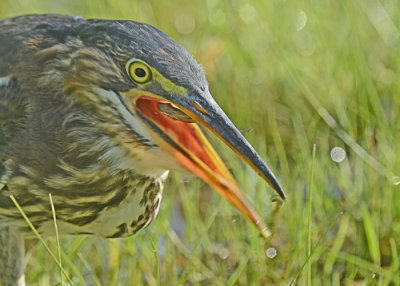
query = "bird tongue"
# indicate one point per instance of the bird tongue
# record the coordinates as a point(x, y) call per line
point(188, 145)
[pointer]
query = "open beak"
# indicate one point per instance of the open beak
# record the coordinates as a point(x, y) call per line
point(174, 129)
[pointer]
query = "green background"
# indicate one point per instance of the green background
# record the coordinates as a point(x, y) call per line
point(290, 74)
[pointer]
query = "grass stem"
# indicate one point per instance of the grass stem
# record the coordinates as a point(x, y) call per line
point(309, 218)
point(56, 231)
point(40, 238)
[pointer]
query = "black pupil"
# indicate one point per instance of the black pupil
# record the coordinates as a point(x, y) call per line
point(140, 72)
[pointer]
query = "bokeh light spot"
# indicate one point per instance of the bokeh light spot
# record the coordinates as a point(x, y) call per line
point(217, 18)
point(247, 12)
point(338, 154)
point(271, 252)
point(395, 180)
point(185, 24)
point(300, 20)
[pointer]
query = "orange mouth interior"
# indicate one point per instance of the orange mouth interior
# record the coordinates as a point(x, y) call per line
point(181, 132)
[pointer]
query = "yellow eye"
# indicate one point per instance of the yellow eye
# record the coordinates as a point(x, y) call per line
point(139, 71)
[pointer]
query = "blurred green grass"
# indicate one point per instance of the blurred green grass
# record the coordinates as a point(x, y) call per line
point(268, 64)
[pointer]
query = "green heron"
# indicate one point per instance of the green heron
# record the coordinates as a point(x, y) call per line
point(96, 112)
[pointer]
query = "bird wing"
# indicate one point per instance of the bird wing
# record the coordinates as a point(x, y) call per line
point(16, 34)
point(12, 113)
point(12, 99)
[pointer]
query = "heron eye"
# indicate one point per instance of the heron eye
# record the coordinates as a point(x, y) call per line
point(139, 72)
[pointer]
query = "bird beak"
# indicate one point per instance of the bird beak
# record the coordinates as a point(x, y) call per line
point(174, 130)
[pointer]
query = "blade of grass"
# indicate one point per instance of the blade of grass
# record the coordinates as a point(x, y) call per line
point(114, 261)
point(368, 266)
point(76, 245)
point(41, 239)
point(238, 271)
point(309, 279)
point(153, 248)
point(370, 279)
point(371, 235)
point(395, 256)
point(337, 244)
point(395, 259)
point(96, 280)
point(73, 267)
point(56, 231)
point(313, 250)
point(176, 241)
